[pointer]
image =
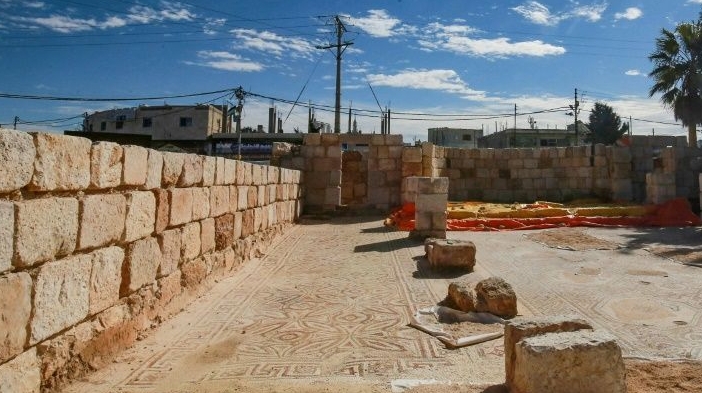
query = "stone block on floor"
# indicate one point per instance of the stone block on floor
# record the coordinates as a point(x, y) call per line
point(449, 253)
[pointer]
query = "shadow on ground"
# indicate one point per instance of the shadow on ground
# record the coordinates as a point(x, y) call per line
point(387, 245)
point(424, 270)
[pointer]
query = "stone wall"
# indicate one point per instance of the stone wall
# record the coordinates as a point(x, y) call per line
point(509, 175)
point(98, 242)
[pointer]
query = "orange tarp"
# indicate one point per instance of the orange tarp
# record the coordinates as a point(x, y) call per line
point(673, 213)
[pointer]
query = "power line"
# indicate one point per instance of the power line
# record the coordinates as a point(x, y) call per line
point(93, 99)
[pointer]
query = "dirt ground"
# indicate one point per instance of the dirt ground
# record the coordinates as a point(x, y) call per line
point(574, 239)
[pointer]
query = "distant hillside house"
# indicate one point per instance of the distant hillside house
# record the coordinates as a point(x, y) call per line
point(455, 137)
point(535, 137)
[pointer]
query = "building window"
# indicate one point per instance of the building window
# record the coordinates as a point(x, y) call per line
point(467, 137)
point(146, 122)
point(119, 124)
point(548, 142)
point(186, 121)
point(103, 126)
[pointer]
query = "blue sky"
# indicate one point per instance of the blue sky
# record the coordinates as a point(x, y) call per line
point(446, 63)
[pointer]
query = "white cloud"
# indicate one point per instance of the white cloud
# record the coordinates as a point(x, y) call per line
point(539, 14)
point(442, 80)
point(630, 14)
point(694, 1)
point(456, 39)
point(634, 73)
point(272, 43)
point(226, 61)
point(212, 25)
point(34, 4)
point(378, 23)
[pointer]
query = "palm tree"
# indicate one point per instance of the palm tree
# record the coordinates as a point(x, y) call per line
point(678, 74)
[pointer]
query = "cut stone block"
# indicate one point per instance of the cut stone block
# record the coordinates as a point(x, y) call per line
point(496, 296)
point(238, 223)
point(448, 253)
point(209, 167)
point(190, 241)
point(252, 197)
point(219, 171)
point(247, 223)
point(193, 272)
point(201, 203)
point(169, 287)
point(105, 165)
point(7, 234)
point(233, 198)
point(17, 153)
point(172, 168)
point(522, 327)
point(154, 170)
point(571, 362)
point(22, 374)
point(134, 165)
point(163, 209)
point(462, 296)
point(181, 205)
point(219, 200)
point(15, 310)
point(170, 242)
point(105, 278)
point(61, 296)
point(143, 259)
point(45, 228)
point(62, 163)
point(192, 171)
point(141, 215)
point(207, 235)
point(229, 172)
point(224, 231)
point(242, 198)
point(102, 220)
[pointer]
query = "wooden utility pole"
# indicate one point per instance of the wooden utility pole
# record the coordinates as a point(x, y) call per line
point(340, 48)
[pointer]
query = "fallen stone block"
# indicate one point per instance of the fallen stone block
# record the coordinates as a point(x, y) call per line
point(461, 296)
point(448, 253)
point(496, 296)
point(522, 327)
point(571, 362)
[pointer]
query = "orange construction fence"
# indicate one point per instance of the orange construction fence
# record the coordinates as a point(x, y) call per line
point(674, 213)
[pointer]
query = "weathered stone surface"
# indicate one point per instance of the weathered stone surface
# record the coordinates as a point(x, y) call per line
point(496, 296)
point(233, 198)
point(192, 171)
point(102, 220)
point(22, 374)
point(242, 198)
point(209, 168)
point(135, 163)
point(572, 362)
point(462, 296)
point(448, 253)
point(190, 241)
point(105, 165)
point(141, 215)
point(17, 154)
point(7, 235)
point(252, 198)
point(143, 259)
point(181, 205)
point(219, 171)
point(224, 231)
point(45, 228)
point(61, 296)
point(522, 327)
point(105, 278)
point(219, 200)
point(170, 242)
point(230, 172)
point(247, 224)
point(201, 203)
point(15, 310)
point(163, 209)
point(172, 168)
point(207, 235)
point(154, 170)
point(62, 163)
point(238, 223)
point(193, 272)
point(169, 287)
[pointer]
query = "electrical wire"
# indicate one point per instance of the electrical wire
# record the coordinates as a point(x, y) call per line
point(93, 99)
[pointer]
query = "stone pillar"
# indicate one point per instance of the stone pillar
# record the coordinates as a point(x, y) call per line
point(660, 187)
point(430, 206)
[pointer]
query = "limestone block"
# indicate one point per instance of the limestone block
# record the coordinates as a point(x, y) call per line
point(431, 202)
point(522, 327)
point(449, 253)
point(154, 170)
point(163, 209)
point(180, 201)
point(330, 139)
point(242, 198)
point(496, 296)
point(192, 171)
point(219, 171)
point(271, 193)
point(238, 224)
point(190, 241)
point(209, 168)
point(388, 164)
point(207, 235)
point(312, 139)
point(219, 200)
point(230, 172)
point(17, 154)
point(102, 220)
point(45, 228)
point(273, 175)
point(247, 224)
point(61, 296)
point(332, 196)
point(233, 198)
point(262, 197)
point(105, 278)
point(432, 185)
point(105, 165)
point(172, 168)
point(257, 220)
point(168, 287)
point(7, 234)
point(134, 165)
point(224, 231)
point(574, 362)
point(256, 175)
point(143, 259)
point(462, 296)
point(170, 244)
point(62, 163)
point(193, 272)
point(141, 215)
point(621, 155)
point(252, 198)
point(248, 174)
point(201, 203)
point(15, 310)
point(22, 374)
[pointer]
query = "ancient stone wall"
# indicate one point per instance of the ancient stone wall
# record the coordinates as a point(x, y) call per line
point(98, 242)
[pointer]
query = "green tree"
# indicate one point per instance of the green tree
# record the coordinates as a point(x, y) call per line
point(677, 73)
point(605, 125)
